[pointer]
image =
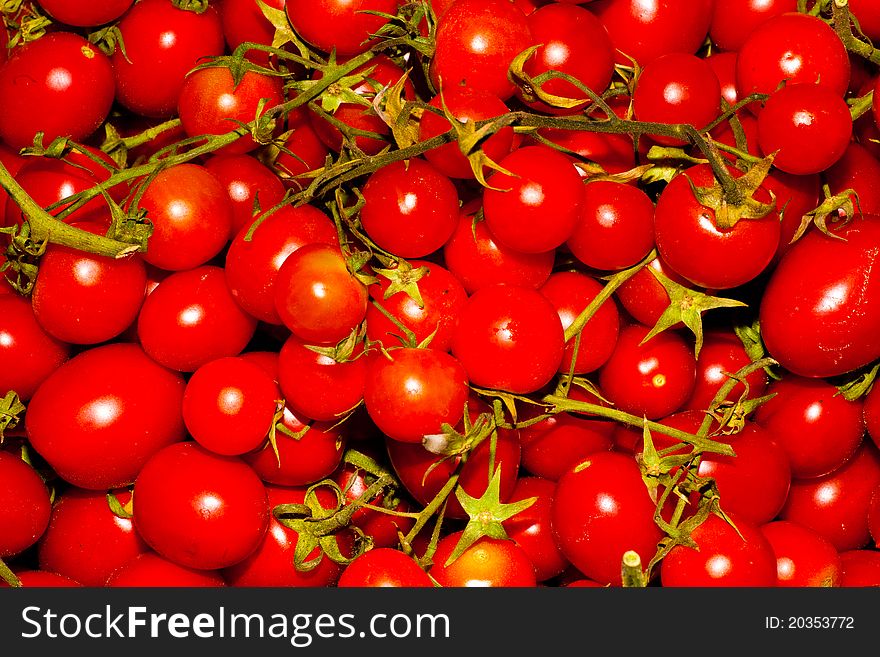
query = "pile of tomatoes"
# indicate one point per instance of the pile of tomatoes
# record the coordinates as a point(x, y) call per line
point(447, 293)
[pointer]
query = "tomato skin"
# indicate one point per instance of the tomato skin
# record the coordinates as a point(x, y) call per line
point(724, 558)
point(25, 512)
point(191, 319)
point(479, 260)
point(531, 530)
point(82, 298)
point(616, 228)
point(411, 208)
point(82, 528)
point(246, 181)
point(211, 103)
point(150, 570)
point(476, 40)
point(644, 297)
point(871, 414)
point(271, 564)
point(198, 509)
point(817, 427)
point(793, 47)
point(103, 414)
point(381, 527)
point(822, 321)
point(338, 24)
point(509, 338)
point(797, 195)
point(488, 562)
point(602, 509)
point(307, 153)
point(803, 558)
point(252, 265)
point(384, 567)
point(723, 353)
point(860, 568)
point(89, 14)
point(59, 85)
point(645, 31)
point(691, 243)
point(804, 145)
point(836, 505)
point(229, 405)
point(162, 44)
point(734, 20)
point(300, 462)
point(243, 21)
point(29, 354)
point(316, 296)
point(654, 379)
point(570, 293)
point(857, 169)
point(412, 392)
point(536, 209)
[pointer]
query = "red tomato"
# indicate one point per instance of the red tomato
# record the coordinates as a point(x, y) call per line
point(475, 43)
point(822, 321)
point(727, 556)
point(616, 227)
point(303, 151)
point(509, 338)
point(191, 319)
point(490, 562)
point(24, 514)
point(836, 505)
point(316, 296)
point(162, 44)
point(90, 14)
point(85, 540)
point(803, 558)
point(247, 183)
point(614, 153)
point(243, 22)
point(340, 25)
point(858, 170)
point(412, 392)
point(410, 209)
point(602, 509)
point(691, 243)
point(871, 414)
point(530, 529)
point(868, 15)
point(795, 196)
point(817, 427)
point(570, 293)
point(653, 379)
point(734, 20)
point(303, 461)
point(198, 509)
point(384, 567)
point(644, 297)
point(103, 414)
point(537, 208)
point(860, 568)
point(149, 570)
point(723, 353)
point(60, 85)
point(28, 353)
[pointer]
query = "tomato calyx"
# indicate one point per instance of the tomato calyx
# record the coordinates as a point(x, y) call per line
point(348, 349)
point(25, 22)
point(22, 258)
point(117, 508)
point(399, 114)
point(532, 87)
point(195, 6)
point(107, 40)
point(730, 211)
point(11, 409)
point(859, 383)
point(839, 208)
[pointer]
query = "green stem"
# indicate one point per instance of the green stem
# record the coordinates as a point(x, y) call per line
point(631, 570)
point(434, 505)
point(861, 105)
point(842, 22)
point(8, 576)
point(149, 134)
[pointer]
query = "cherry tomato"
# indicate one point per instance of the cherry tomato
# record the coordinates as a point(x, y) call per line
point(601, 510)
point(868, 16)
point(24, 514)
point(300, 461)
point(340, 25)
point(509, 338)
point(244, 22)
point(614, 153)
point(490, 562)
point(191, 319)
point(384, 567)
point(248, 183)
point(722, 354)
point(860, 568)
point(858, 170)
point(29, 354)
point(303, 151)
point(803, 558)
point(644, 297)
point(89, 14)
point(530, 529)
point(871, 414)
point(85, 540)
point(734, 20)
point(99, 417)
point(60, 85)
point(795, 196)
point(149, 570)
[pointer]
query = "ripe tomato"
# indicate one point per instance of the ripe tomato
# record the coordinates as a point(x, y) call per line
point(247, 183)
point(691, 243)
point(490, 562)
point(723, 353)
point(816, 426)
point(162, 44)
point(860, 568)
point(653, 379)
point(191, 319)
point(602, 509)
point(803, 558)
point(795, 196)
point(28, 353)
point(537, 208)
point(822, 321)
point(24, 514)
point(871, 414)
point(616, 227)
point(243, 22)
point(868, 15)
point(858, 170)
point(384, 567)
point(229, 406)
point(727, 556)
point(60, 85)
point(101, 415)
point(149, 570)
point(410, 208)
point(644, 297)
point(198, 509)
point(339, 25)
point(303, 151)
point(734, 20)
point(303, 461)
point(82, 298)
point(316, 296)
point(412, 392)
point(85, 540)
point(530, 529)
point(89, 14)
point(475, 43)
point(509, 338)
